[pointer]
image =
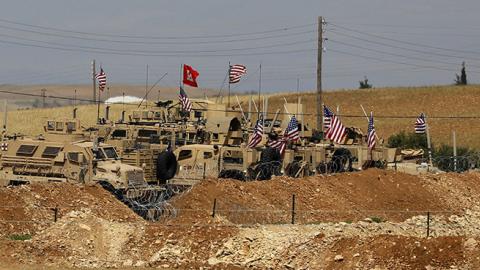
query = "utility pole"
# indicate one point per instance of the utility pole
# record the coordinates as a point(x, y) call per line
point(146, 90)
point(43, 97)
point(319, 73)
point(94, 82)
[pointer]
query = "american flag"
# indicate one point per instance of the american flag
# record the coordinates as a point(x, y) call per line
point(327, 117)
point(420, 124)
point(280, 144)
point(291, 133)
point(102, 79)
point(186, 103)
point(336, 131)
point(236, 72)
point(257, 133)
point(371, 132)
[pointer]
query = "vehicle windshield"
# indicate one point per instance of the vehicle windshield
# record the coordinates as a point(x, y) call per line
point(106, 153)
point(110, 152)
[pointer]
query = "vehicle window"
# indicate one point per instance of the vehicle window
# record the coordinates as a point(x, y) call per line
point(215, 136)
point(233, 157)
point(71, 126)
point(51, 151)
point(184, 154)
point(72, 156)
point(99, 154)
point(26, 150)
point(146, 133)
point(110, 152)
point(119, 133)
point(50, 125)
point(59, 126)
point(207, 155)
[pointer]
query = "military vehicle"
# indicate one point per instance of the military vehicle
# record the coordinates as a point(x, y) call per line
point(141, 140)
point(302, 158)
point(63, 155)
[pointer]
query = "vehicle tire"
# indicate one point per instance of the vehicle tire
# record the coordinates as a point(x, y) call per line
point(292, 169)
point(339, 160)
point(232, 174)
point(270, 164)
point(166, 166)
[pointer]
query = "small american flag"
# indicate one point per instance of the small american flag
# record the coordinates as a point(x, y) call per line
point(291, 133)
point(327, 117)
point(102, 79)
point(280, 144)
point(257, 133)
point(186, 103)
point(335, 130)
point(420, 124)
point(236, 72)
point(371, 132)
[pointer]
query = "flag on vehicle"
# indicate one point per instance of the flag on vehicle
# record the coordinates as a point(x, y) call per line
point(371, 132)
point(102, 79)
point(335, 131)
point(236, 72)
point(257, 133)
point(327, 117)
point(420, 124)
point(291, 133)
point(280, 144)
point(190, 76)
point(186, 103)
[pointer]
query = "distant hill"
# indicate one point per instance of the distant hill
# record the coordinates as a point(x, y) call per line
point(435, 101)
point(85, 92)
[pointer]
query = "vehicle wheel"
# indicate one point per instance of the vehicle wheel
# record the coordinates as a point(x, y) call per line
point(166, 166)
point(292, 169)
point(233, 174)
point(342, 160)
point(270, 164)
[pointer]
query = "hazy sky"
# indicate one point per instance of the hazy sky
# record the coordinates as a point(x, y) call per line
point(392, 42)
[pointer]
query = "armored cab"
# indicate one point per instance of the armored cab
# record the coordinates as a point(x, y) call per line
point(28, 160)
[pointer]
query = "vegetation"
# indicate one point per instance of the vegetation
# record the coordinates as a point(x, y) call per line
point(462, 78)
point(377, 219)
point(364, 84)
point(20, 237)
point(405, 140)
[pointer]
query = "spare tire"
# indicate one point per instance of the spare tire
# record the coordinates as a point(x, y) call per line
point(166, 166)
point(342, 160)
point(269, 164)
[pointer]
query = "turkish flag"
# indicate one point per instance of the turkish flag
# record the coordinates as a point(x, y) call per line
point(190, 76)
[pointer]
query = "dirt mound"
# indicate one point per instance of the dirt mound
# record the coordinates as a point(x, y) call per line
point(27, 209)
point(386, 195)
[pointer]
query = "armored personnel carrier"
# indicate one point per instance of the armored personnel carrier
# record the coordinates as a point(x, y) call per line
point(63, 155)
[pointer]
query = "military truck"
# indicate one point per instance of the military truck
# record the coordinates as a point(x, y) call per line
point(27, 161)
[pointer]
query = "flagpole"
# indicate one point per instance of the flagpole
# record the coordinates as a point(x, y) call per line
point(228, 101)
point(429, 145)
point(259, 85)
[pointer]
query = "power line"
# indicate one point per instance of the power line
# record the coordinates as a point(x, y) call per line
point(156, 42)
point(152, 55)
point(404, 42)
point(398, 55)
point(283, 29)
point(161, 52)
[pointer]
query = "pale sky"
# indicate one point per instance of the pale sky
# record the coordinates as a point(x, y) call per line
point(392, 42)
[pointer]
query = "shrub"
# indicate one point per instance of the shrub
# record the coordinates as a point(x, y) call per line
point(20, 237)
point(405, 140)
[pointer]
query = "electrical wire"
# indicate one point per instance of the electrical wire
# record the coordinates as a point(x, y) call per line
point(282, 29)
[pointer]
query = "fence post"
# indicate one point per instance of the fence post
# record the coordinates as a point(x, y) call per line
point(454, 151)
point(204, 169)
point(214, 207)
point(428, 224)
point(293, 208)
point(55, 213)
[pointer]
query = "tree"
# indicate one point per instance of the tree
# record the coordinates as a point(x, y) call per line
point(462, 78)
point(364, 84)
